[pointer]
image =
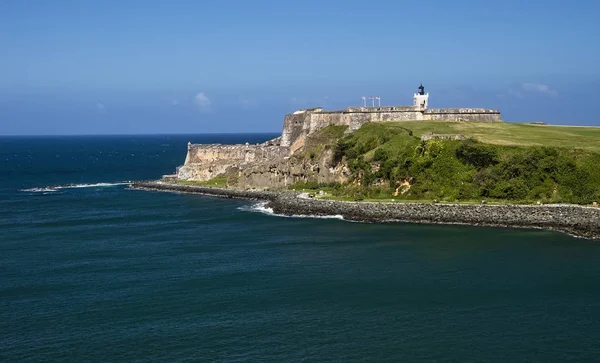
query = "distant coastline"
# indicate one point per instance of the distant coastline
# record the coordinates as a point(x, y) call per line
point(575, 220)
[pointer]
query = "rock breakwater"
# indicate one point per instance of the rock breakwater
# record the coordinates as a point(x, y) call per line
point(218, 192)
point(576, 220)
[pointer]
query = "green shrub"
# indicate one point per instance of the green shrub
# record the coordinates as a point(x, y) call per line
point(465, 170)
point(476, 154)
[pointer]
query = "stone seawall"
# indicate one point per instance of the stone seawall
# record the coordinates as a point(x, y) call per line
point(462, 114)
point(217, 192)
point(575, 220)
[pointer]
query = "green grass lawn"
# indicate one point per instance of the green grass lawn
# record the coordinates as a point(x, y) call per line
point(219, 182)
point(507, 133)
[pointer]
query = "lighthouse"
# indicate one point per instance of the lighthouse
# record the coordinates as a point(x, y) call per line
point(421, 99)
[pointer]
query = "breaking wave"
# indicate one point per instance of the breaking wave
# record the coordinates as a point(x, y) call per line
point(40, 190)
point(56, 188)
point(261, 207)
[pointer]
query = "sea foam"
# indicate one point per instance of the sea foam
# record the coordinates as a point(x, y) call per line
point(56, 188)
point(261, 207)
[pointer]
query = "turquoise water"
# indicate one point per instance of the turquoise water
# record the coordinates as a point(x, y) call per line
point(99, 272)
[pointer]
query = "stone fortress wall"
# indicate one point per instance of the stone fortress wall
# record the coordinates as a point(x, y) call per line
point(204, 162)
point(302, 123)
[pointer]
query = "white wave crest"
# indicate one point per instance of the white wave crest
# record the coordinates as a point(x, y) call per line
point(262, 208)
point(44, 190)
point(69, 186)
point(56, 188)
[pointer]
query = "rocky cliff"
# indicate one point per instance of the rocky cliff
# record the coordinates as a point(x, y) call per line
point(296, 168)
point(204, 162)
point(301, 153)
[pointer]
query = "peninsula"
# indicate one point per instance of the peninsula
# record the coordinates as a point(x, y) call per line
point(410, 163)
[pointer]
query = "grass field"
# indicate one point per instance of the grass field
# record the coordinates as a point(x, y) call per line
point(219, 182)
point(507, 133)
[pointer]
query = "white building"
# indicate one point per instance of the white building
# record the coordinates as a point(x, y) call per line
point(421, 99)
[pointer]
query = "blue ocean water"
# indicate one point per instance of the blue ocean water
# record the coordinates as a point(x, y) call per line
point(96, 271)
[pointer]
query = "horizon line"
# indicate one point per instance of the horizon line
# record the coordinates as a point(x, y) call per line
point(148, 134)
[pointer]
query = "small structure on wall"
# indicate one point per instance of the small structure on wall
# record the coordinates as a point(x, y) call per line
point(421, 99)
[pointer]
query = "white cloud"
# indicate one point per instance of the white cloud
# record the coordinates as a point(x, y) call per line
point(202, 101)
point(539, 88)
point(174, 102)
point(100, 107)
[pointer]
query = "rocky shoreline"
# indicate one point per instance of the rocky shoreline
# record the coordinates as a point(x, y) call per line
point(575, 220)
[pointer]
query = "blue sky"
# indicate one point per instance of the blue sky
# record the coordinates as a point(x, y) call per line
point(113, 67)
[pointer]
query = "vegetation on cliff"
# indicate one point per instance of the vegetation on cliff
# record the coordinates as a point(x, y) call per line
point(391, 161)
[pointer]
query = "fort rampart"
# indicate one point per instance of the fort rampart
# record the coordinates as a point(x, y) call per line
point(204, 162)
point(302, 123)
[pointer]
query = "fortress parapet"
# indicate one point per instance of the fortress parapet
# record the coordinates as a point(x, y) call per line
point(462, 114)
point(301, 123)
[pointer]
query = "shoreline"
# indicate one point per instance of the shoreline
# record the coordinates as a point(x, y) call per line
point(578, 221)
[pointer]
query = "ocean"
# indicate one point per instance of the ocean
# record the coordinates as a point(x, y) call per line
point(91, 270)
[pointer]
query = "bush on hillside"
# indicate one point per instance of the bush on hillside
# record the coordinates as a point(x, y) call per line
point(468, 170)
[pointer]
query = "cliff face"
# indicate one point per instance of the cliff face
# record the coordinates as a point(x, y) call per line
point(276, 163)
point(268, 165)
point(297, 168)
point(204, 162)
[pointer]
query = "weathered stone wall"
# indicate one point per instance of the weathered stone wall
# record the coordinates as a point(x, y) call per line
point(298, 125)
point(294, 127)
point(302, 123)
point(206, 161)
point(428, 137)
point(462, 114)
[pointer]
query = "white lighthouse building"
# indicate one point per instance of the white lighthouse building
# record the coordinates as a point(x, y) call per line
point(421, 99)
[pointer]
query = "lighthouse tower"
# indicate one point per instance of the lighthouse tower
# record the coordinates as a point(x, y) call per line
point(421, 99)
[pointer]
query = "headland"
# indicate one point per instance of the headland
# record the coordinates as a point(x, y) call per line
point(409, 163)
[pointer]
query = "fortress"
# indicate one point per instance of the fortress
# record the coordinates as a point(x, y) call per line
point(204, 162)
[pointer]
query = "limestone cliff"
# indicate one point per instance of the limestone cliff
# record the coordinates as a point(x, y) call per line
point(297, 168)
point(204, 162)
point(267, 165)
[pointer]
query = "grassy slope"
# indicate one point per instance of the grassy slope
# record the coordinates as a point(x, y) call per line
point(512, 162)
point(219, 182)
point(517, 134)
point(323, 139)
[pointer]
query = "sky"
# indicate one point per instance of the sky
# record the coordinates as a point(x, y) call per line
point(195, 66)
